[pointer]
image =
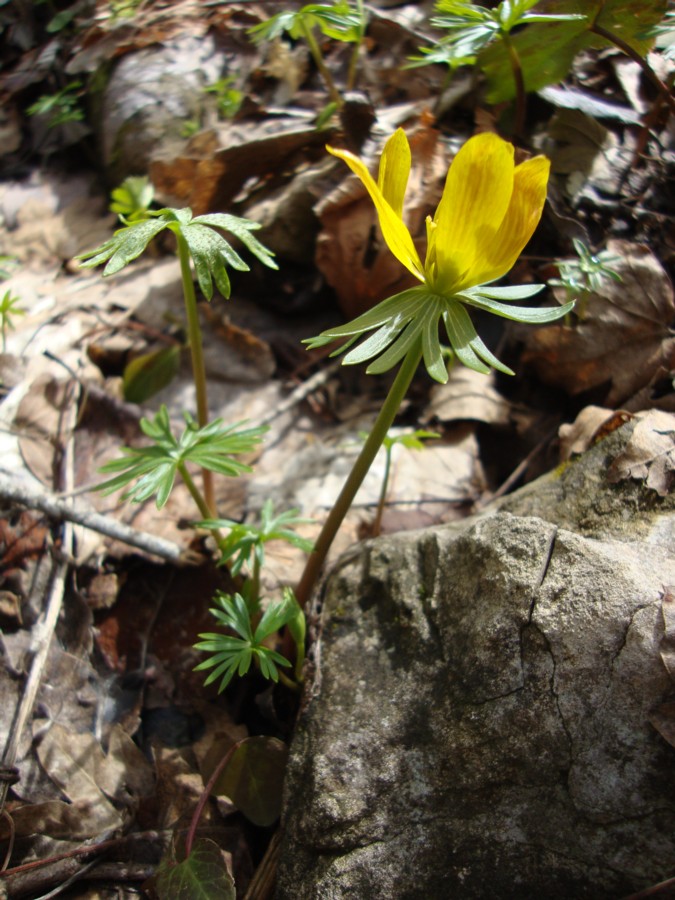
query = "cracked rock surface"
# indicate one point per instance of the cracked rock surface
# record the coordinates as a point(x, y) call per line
point(478, 726)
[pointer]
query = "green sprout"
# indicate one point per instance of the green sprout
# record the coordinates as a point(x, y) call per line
point(228, 98)
point(61, 107)
point(233, 654)
point(412, 440)
point(245, 543)
point(151, 471)
point(340, 21)
point(198, 240)
point(132, 199)
point(586, 274)
point(473, 28)
point(7, 264)
point(9, 308)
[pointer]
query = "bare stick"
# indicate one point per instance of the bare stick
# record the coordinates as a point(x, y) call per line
point(11, 488)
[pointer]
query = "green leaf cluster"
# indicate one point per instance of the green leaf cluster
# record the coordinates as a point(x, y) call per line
point(9, 308)
point(245, 543)
point(234, 654)
point(151, 471)
point(400, 322)
point(412, 440)
point(131, 200)
point(587, 273)
point(543, 41)
point(61, 107)
point(340, 21)
point(210, 251)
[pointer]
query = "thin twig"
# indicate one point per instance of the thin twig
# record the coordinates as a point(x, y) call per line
point(264, 879)
point(44, 630)
point(26, 495)
point(301, 392)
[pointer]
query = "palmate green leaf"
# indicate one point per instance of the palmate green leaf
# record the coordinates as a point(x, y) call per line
point(154, 468)
point(210, 251)
point(413, 316)
point(234, 655)
point(546, 49)
point(123, 247)
point(339, 21)
point(202, 875)
point(245, 539)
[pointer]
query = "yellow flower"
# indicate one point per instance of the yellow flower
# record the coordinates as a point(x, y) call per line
point(487, 214)
point(488, 211)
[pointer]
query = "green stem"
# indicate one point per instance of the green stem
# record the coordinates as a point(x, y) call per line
point(317, 56)
point(626, 48)
point(377, 522)
point(202, 505)
point(197, 351)
point(359, 471)
point(354, 58)
point(521, 98)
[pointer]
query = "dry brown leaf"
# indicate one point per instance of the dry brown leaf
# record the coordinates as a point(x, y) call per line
point(38, 422)
point(77, 764)
point(67, 821)
point(467, 395)
point(630, 317)
point(592, 423)
point(649, 455)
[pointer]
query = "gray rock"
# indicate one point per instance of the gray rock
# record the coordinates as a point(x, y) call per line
point(478, 726)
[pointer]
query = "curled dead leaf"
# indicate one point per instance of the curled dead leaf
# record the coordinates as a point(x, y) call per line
point(649, 455)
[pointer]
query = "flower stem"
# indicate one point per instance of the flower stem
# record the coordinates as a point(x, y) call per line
point(317, 56)
point(198, 367)
point(521, 98)
point(201, 503)
point(359, 471)
point(626, 48)
point(377, 521)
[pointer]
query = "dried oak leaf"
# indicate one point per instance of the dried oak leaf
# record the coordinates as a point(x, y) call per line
point(631, 318)
point(649, 455)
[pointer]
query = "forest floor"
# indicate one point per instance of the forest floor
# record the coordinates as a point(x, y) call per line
point(108, 735)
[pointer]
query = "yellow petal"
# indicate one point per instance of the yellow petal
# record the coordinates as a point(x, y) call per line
point(522, 217)
point(475, 200)
point(394, 231)
point(394, 170)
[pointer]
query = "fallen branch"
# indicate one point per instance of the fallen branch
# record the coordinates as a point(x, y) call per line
point(62, 511)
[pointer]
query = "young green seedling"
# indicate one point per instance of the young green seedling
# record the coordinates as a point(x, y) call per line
point(488, 212)
point(9, 308)
point(233, 655)
point(132, 199)
point(474, 28)
point(586, 274)
point(245, 544)
point(200, 240)
point(340, 21)
point(413, 440)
